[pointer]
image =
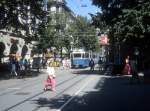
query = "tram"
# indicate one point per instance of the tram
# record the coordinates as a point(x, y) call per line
point(81, 58)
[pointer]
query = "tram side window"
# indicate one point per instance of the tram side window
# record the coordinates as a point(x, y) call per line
point(86, 55)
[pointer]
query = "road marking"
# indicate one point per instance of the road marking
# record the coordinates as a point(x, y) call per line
point(14, 88)
point(74, 95)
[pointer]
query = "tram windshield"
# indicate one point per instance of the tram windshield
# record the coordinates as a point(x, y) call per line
point(77, 55)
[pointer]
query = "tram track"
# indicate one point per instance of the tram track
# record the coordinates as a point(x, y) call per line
point(16, 84)
point(35, 95)
point(63, 91)
point(28, 84)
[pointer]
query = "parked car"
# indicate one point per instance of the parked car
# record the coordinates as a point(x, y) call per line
point(37, 63)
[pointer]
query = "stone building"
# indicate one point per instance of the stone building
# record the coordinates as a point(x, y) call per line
point(12, 44)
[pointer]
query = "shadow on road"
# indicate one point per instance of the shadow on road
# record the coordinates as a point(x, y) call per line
point(112, 94)
point(90, 72)
point(86, 72)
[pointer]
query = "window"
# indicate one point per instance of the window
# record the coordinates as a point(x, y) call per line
point(77, 55)
point(53, 9)
point(86, 55)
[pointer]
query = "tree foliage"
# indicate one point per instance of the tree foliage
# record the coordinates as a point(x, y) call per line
point(127, 20)
point(11, 10)
point(84, 35)
point(52, 34)
point(125, 17)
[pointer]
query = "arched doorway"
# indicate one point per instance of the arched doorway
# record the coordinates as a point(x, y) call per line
point(2, 48)
point(24, 51)
point(13, 49)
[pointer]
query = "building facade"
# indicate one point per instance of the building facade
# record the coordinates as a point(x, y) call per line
point(60, 17)
point(11, 44)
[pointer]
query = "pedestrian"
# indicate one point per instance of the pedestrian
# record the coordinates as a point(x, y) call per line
point(25, 62)
point(134, 70)
point(100, 64)
point(13, 66)
point(64, 63)
point(91, 64)
point(51, 76)
point(22, 68)
point(127, 67)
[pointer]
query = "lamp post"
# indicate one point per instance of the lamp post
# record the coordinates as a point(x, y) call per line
point(71, 42)
point(71, 50)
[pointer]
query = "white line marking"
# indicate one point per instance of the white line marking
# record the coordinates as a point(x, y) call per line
point(74, 95)
point(14, 88)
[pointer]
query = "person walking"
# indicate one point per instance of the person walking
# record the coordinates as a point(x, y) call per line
point(100, 67)
point(64, 63)
point(51, 76)
point(127, 67)
point(134, 70)
point(91, 64)
point(13, 66)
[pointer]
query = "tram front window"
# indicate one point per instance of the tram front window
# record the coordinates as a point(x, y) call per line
point(77, 55)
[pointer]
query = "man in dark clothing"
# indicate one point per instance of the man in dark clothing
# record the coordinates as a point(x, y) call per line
point(100, 64)
point(13, 66)
point(134, 70)
point(92, 64)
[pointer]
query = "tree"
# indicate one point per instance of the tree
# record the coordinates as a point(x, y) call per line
point(116, 13)
point(127, 20)
point(19, 15)
point(84, 35)
point(52, 34)
point(63, 28)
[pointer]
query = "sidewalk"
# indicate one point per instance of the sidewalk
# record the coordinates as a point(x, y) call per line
point(5, 75)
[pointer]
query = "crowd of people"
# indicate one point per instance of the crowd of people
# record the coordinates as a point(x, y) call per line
point(133, 66)
point(18, 67)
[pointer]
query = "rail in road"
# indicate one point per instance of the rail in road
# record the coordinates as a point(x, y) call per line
point(26, 85)
point(72, 80)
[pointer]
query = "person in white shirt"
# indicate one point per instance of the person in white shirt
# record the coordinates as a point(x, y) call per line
point(51, 76)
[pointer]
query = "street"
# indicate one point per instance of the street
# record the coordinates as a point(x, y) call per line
point(28, 95)
point(74, 55)
point(76, 90)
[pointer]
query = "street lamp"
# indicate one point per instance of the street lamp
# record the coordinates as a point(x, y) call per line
point(71, 50)
point(71, 42)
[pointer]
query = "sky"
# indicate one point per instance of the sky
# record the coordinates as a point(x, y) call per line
point(82, 7)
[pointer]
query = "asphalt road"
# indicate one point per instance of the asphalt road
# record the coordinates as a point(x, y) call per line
point(28, 95)
point(76, 90)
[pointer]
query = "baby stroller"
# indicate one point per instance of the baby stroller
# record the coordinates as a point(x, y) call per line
point(49, 83)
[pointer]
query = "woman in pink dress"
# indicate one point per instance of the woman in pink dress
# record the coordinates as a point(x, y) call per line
point(51, 77)
point(127, 67)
